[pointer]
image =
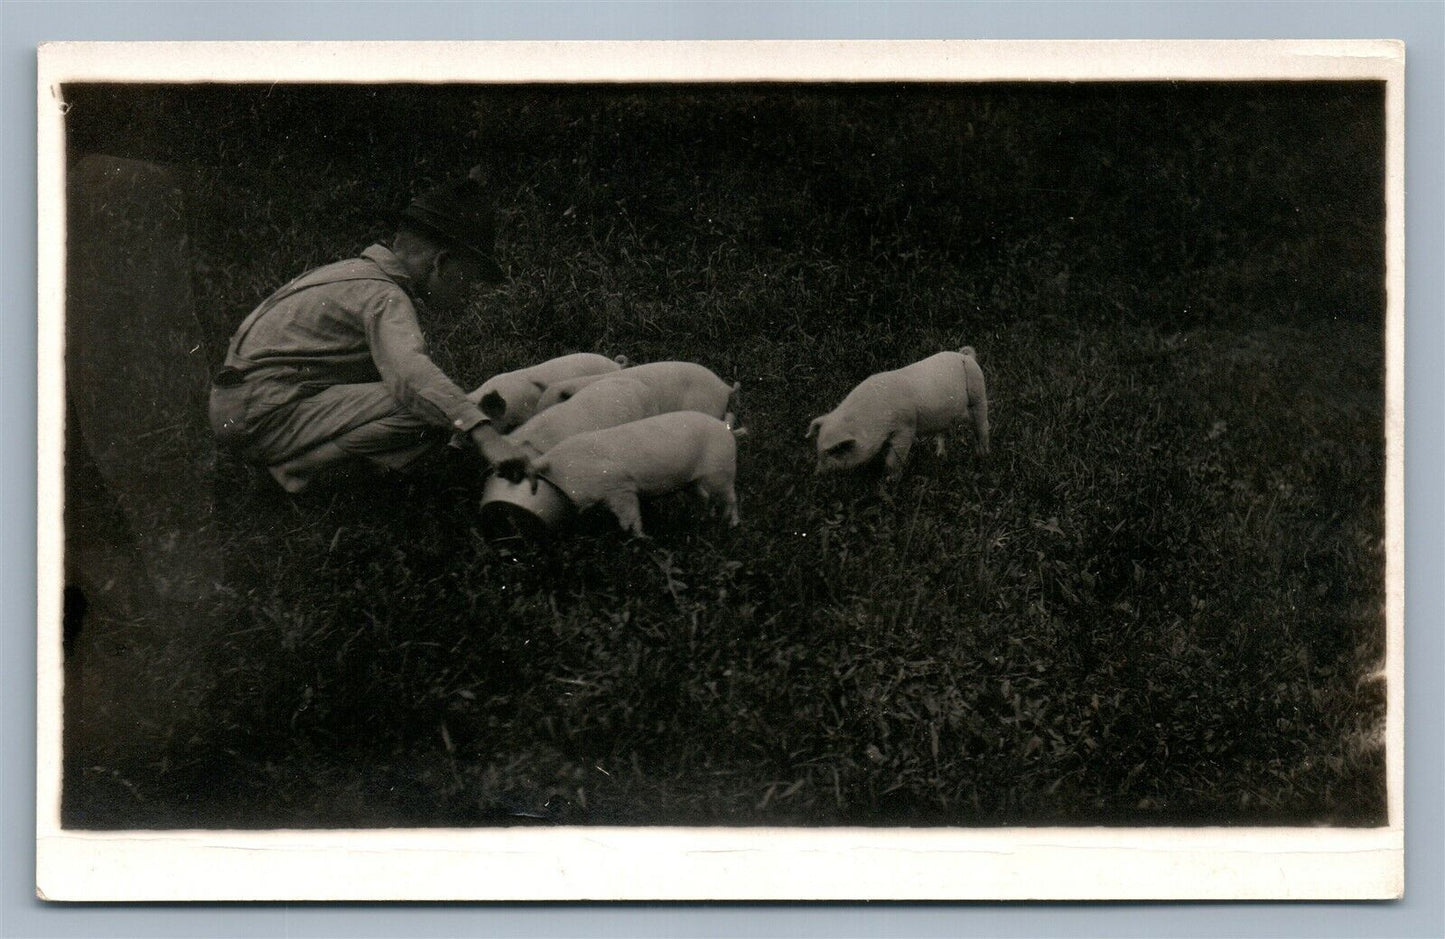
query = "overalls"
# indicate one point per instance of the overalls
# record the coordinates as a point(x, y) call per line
point(269, 412)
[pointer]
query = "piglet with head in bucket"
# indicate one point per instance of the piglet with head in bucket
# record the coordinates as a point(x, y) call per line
point(653, 456)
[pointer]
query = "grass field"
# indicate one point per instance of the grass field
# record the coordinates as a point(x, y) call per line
point(1159, 601)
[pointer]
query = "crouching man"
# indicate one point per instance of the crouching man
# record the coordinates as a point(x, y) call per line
point(333, 366)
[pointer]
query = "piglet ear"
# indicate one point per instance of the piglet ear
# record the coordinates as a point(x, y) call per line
point(843, 446)
point(813, 428)
point(493, 405)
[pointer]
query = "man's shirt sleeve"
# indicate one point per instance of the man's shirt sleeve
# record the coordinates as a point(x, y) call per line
point(412, 377)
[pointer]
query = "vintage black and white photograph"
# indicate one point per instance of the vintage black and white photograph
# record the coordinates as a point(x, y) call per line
point(761, 454)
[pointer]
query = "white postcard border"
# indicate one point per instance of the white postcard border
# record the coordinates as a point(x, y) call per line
point(704, 863)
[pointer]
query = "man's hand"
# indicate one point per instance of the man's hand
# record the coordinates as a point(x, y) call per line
point(510, 461)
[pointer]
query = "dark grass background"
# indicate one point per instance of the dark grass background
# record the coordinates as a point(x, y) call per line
point(1160, 602)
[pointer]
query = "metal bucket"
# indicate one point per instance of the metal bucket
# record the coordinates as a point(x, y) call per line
point(513, 510)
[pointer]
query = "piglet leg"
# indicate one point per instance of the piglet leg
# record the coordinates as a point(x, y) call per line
point(720, 489)
point(897, 449)
point(623, 504)
point(978, 410)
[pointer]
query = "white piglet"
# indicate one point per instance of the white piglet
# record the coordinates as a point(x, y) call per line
point(511, 398)
point(599, 405)
point(888, 411)
point(560, 391)
point(676, 386)
point(654, 456)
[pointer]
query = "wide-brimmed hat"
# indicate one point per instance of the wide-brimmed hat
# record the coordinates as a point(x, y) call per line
point(459, 213)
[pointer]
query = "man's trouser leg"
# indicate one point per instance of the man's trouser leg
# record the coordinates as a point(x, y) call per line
point(339, 423)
